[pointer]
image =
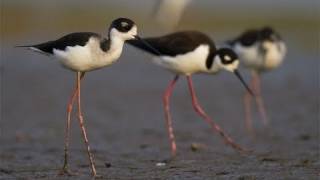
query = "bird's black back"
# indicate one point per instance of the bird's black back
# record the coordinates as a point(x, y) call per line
point(247, 38)
point(175, 43)
point(73, 39)
point(250, 37)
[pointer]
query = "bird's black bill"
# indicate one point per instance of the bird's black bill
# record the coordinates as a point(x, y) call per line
point(237, 73)
point(155, 51)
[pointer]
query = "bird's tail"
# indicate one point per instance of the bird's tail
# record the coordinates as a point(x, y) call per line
point(32, 47)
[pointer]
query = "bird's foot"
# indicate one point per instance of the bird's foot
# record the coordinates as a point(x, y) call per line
point(65, 171)
point(97, 176)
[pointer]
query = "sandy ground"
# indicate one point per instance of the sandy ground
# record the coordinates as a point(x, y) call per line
point(126, 127)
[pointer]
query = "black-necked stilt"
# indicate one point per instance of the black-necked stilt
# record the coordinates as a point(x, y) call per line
point(82, 52)
point(260, 50)
point(186, 53)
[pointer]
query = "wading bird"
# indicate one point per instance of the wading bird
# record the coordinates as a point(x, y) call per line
point(186, 53)
point(260, 50)
point(82, 52)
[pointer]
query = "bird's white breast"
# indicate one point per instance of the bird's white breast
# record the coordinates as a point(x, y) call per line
point(191, 62)
point(275, 55)
point(253, 58)
point(88, 57)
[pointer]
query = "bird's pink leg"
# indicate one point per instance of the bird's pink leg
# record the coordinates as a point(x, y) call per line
point(67, 130)
point(259, 100)
point(81, 122)
point(212, 124)
point(166, 99)
point(247, 108)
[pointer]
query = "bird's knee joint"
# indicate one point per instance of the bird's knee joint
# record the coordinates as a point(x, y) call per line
point(69, 108)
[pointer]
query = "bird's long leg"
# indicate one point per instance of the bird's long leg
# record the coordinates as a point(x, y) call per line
point(259, 100)
point(67, 130)
point(166, 98)
point(247, 108)
point(82, 126)
point(212, 124)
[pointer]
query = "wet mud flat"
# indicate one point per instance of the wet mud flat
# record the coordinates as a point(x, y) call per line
point(147, 161)
point(126, 127)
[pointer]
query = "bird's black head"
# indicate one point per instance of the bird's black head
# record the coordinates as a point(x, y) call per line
point(124, 28)
point(268, 34)
point(227, 56)
point(228, 60)
point(122, 24)
point(223, 58)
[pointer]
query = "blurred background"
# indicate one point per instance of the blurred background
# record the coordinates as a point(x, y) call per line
point(122, 103)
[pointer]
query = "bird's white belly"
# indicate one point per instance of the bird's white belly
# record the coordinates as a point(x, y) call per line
point(86, 58)
point(275, 56)
point(186, 64)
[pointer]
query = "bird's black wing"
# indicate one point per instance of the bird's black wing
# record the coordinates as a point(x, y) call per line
point(73, 39)
point(247, 38)
point(173, 44)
